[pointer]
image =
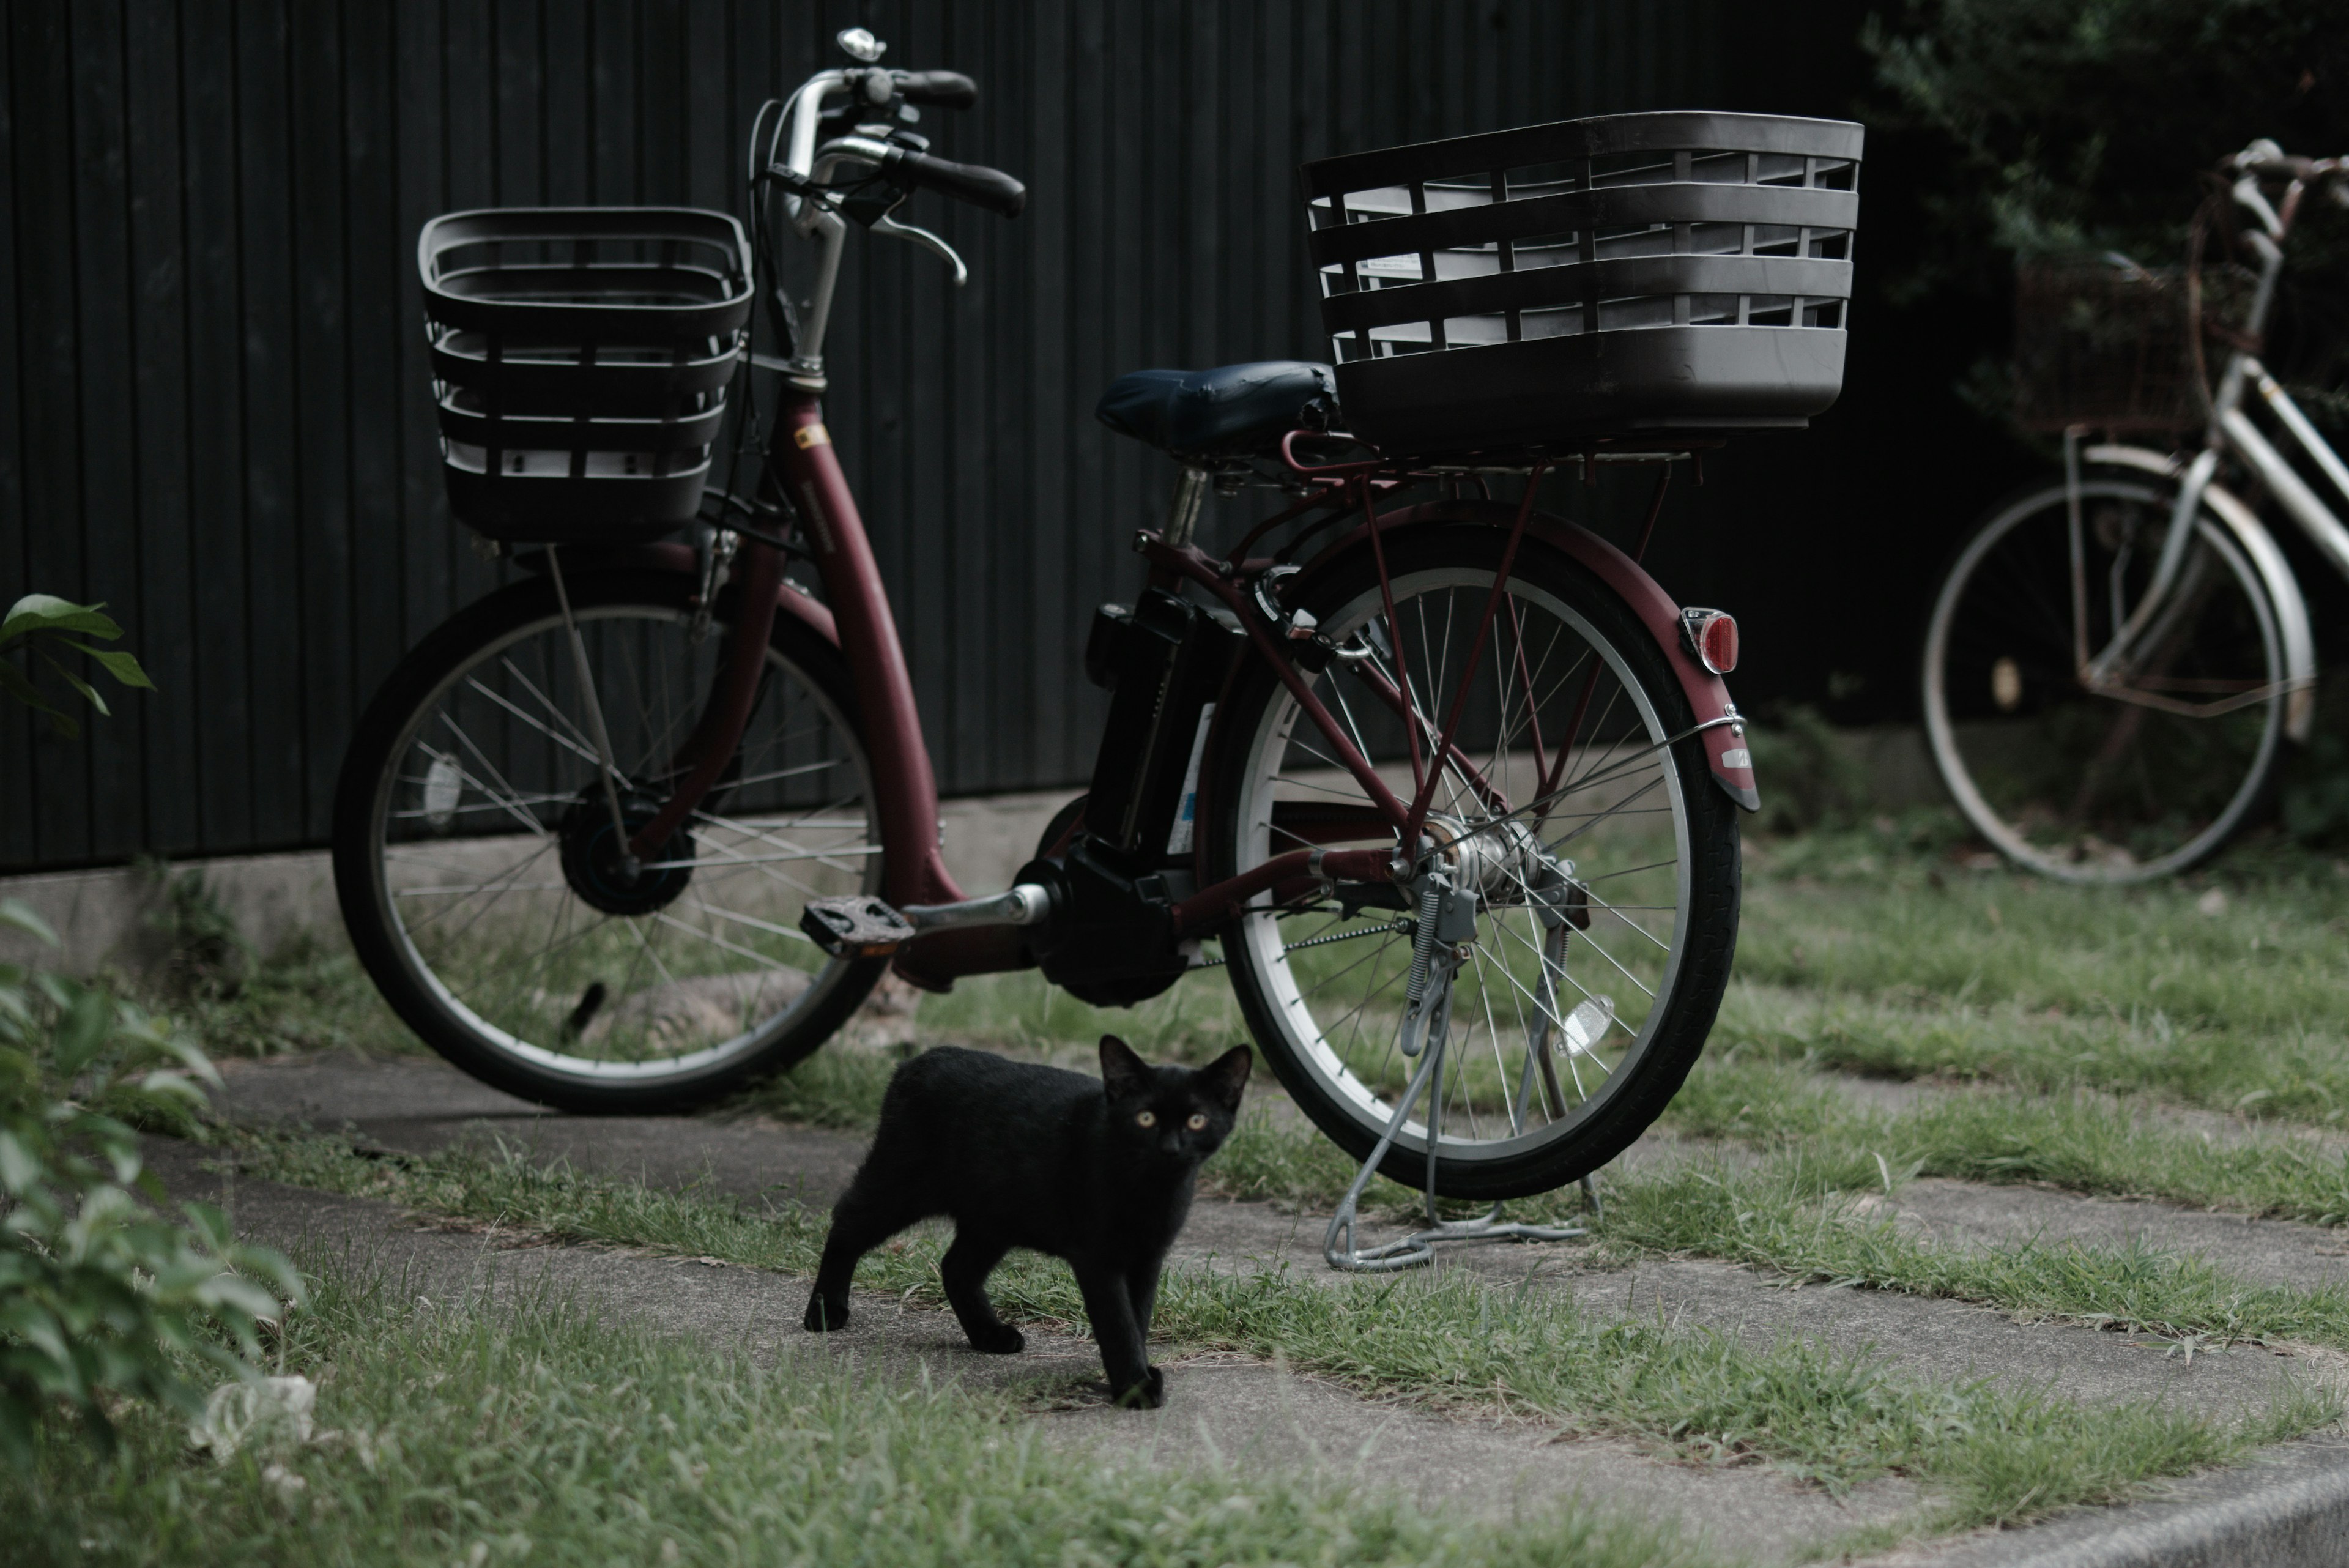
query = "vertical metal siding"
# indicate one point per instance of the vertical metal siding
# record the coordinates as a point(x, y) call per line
point(212, 405)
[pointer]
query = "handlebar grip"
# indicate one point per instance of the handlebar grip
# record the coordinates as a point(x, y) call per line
point(948, 89)
point(981, 187)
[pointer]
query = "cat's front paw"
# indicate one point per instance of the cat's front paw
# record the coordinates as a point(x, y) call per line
point(823, 1318)
point(1002, 1339)
point(1147, 1395)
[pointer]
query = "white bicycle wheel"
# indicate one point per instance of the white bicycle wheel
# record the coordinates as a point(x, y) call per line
point(1569, 1037)
point(2145, 771)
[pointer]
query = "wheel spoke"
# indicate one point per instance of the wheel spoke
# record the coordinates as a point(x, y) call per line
point(551, 939)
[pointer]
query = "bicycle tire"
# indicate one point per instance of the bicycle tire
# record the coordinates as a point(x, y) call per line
point(2012, 729)
point(612, 607)
point(1338, 1086)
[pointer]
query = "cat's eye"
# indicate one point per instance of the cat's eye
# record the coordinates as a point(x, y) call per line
point(1147, 1119)
point(1198, 1120)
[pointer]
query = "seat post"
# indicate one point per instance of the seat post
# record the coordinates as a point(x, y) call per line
point(1183, 506)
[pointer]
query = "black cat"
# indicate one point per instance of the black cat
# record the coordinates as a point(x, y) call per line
point(1095, 1172)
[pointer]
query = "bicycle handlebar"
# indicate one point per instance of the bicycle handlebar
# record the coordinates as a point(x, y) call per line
point(974, 183)
point(946, 90)
point(2265, 159)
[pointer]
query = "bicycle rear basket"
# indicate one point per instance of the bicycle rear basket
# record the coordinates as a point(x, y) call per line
point(580, 359)
point(2102, 342)
point(1629, 275)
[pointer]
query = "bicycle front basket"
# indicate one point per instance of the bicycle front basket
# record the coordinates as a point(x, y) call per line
point(581, 357)
point(2103, 342)
point(1632, 274)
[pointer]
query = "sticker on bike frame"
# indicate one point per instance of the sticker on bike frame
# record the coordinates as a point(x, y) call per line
point(811, 435)
point(1178, 840)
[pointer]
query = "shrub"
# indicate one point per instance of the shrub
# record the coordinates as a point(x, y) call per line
point(99, 1295)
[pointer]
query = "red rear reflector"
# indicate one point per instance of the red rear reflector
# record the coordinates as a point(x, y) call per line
point(1712, 637)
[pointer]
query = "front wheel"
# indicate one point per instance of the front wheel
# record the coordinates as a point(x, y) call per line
point(2116, 775)
point(476, 864)
point(1604, 858)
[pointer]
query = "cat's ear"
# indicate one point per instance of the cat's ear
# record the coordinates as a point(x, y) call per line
point(1227, 1075)
point(1122, 1072)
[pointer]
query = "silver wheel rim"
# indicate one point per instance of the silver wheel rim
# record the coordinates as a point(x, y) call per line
point(1324, 1028)
point(715, 975)
point(1941, 730)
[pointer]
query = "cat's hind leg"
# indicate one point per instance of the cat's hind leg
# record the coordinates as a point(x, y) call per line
point(964, 1272)
point(861, 1221)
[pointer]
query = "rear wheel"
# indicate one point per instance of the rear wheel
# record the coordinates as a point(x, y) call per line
point(1606, 862)
point(475, 860)
point(2132, 774)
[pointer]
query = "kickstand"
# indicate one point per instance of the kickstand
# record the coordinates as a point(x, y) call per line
point(1338, 1244)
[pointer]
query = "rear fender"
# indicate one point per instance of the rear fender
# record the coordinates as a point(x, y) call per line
point(1721, 729)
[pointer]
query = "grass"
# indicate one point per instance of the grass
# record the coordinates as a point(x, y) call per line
point(1860, 951)
point(460, 1433)
point(2075, 1140)
point(307, 995)
point(2048, 1027)
point(1799, 1210)
point(1986, 1453)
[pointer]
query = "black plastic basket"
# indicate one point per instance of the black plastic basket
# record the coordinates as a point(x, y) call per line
point(581, 357)
point(1634, 275)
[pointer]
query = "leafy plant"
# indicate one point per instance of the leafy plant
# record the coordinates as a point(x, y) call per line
point(208, 957)
point(41, 623)
point(100, 1295)
point(1810, 778)
point(2083, 125)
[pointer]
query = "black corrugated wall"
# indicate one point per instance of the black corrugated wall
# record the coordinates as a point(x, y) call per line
point(212, 365)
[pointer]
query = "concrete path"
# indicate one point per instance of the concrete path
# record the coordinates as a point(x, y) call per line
point(1232, 1411)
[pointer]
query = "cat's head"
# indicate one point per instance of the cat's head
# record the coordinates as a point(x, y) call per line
point(1175, 1115)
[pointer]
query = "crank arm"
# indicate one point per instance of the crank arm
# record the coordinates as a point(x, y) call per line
point(861, 926)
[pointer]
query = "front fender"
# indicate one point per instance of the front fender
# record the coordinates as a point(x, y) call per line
point(1727, 757)
point(680, 560)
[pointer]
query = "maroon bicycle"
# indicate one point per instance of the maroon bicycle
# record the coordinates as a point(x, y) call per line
point(1445, 782)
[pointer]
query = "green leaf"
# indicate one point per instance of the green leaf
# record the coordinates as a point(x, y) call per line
point(88, 692)
point(82, 1032)
point(122, 666)
point(18, 684)
point(46, 612)
point(16, 912)
point(18, 1169)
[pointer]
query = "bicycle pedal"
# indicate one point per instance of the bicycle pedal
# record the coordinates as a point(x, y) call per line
point(855, 927)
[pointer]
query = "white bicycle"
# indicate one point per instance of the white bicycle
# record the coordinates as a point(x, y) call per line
point(2115, 657)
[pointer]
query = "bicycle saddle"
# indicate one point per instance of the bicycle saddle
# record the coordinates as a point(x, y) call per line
point(1232, 411)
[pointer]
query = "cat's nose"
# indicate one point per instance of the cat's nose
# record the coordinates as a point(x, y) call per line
point(1172, 1143)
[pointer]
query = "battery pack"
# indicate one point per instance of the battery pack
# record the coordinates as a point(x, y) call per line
point(1165, 660)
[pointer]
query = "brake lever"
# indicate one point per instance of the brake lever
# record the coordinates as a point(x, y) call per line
point(888, 225)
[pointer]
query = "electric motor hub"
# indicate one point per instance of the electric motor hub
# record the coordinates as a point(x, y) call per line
point(596, 858)
point(1502, 861)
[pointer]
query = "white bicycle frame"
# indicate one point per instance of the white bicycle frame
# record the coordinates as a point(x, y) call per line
point(2231, 432)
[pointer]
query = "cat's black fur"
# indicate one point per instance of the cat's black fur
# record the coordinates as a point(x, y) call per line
point(1027, 1155)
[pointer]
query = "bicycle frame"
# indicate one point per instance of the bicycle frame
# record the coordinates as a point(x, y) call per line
point(802, 471)
point(2229, 433)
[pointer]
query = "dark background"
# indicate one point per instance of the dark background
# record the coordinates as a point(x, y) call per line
point(214, 409)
